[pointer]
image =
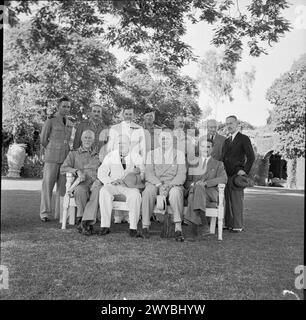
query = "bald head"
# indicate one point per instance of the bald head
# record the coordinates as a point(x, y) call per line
point(212, 126)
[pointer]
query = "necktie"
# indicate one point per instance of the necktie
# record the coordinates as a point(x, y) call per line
point(64, 121)
point(123, 162)
point(163, 157)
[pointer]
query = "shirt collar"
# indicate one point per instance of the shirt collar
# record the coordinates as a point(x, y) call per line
point(206, 158)
point(90, 151)
point(58, 116)
point(234, 135)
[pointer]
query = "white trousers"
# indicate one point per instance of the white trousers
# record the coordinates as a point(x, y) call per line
point(133, 200)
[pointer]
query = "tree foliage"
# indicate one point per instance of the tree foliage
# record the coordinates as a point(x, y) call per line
point(78, 68)
point(218, 83)
point(287, 93)
point(148, 87)
point(157, 25)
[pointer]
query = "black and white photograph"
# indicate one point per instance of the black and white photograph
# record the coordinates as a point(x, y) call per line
point(153, 150)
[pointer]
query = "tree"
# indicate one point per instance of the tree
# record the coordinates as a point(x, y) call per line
point(287, 93)
point(33, 79)
point(157, 25)
point(219, 83)
point(147, 86)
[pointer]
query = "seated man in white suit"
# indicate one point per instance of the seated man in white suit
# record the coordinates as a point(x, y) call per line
point(114, 168)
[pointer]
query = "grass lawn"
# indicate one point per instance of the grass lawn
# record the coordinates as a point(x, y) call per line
point(46, 262)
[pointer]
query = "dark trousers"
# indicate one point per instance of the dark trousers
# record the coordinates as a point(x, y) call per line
point(233, 206)
point(198, 198)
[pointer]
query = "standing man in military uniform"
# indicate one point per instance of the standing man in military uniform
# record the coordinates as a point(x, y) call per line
point(95, 124)
point(131, 130)
point(55, 137)
point(151, 130)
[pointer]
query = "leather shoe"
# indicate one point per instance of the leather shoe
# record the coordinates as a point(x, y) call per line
point(133, 233)
point(144, 234)
point(103, 231)
point(78, 221)
point(179, 236)
point(236, 230)
point(85, 228)
point(45, 219)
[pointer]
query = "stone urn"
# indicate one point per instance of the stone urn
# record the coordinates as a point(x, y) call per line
point(15, 158)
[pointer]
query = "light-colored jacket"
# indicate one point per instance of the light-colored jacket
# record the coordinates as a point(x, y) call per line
point(173, 171)
point(111, 168)
point(133, 131)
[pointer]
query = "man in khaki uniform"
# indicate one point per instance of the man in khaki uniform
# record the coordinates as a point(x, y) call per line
point(55, 137)
point(84, 163)
point(95, 124)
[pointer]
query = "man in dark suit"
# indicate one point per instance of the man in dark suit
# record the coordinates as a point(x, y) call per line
point(217, 139)
point(238, 157)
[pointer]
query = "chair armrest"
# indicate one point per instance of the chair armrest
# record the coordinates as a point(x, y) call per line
point(69, 180)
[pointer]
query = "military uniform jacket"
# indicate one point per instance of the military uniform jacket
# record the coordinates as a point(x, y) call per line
point(86, 161)
point(55, 138)
point(133, 131)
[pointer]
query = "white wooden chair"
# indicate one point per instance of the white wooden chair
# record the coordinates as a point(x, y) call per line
point(213, 213)
point(69, 207)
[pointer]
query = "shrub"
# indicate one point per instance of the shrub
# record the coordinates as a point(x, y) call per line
point(33, 167)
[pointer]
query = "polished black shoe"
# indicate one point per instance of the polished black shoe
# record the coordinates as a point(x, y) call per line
point(144, 234)
point(179, 236)
point(45, 219)
point(78, 221)
point(133, 233)
point(85, 228)
point(103, 231)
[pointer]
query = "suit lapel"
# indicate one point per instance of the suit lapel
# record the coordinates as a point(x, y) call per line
point(236, 139)
point(166, 166)
point(208, 168)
